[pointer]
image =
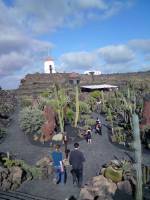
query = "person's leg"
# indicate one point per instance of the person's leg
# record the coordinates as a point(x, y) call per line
point(62, 175)
point(57, 175)
point(74, 176)
point(77, 175)
point(101, 130)
point(96, 130)
point(65, 175)
point(80, 177)
point(87, 139)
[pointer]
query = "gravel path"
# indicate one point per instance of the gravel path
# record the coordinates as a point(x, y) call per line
point(18, 144)
point(96, 154)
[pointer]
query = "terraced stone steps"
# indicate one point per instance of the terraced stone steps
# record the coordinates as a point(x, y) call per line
point(20, 196)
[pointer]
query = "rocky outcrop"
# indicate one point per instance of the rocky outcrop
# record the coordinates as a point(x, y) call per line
point(14, 172)
point(99, 186)
point(10, 179)
point(49, 125)
point(45, 164)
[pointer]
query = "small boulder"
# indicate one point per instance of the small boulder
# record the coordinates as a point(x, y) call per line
point(43, 162)
point(85, 194)
point(104, 185)
point(100, 187)
point(58, 137)
point(16, 173)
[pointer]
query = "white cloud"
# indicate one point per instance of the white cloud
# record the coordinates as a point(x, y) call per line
point(142, 45)
point(21, 24)
point(147, 57)
point(78, 60)
point(10, 81)
point(9, 63)
point(115, 54)
point(108, 59)
point(99, 4)
point(38, 17)
point(18, 51)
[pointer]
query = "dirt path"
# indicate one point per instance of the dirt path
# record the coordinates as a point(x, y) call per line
point(96, 154)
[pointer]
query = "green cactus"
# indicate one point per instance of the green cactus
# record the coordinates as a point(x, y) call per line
point(114, 174)
point(77, 106)
point(144, 174)
point(138, 155)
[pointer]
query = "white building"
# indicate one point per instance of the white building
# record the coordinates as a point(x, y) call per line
point(104, 87)
point(49, 66)
point(95, 72)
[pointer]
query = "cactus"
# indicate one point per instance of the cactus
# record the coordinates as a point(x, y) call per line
point(144, 175)
point(114, 174)
point(137, 148)
point(148, 174)
point(31, 120)
point(110, 117)
point(77, 106)
point(103, 100)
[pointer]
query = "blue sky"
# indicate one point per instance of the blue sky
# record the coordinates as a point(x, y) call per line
point(106, 35)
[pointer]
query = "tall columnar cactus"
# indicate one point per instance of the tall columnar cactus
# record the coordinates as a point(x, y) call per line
point(59, 109)
point(103, 100)
point(77, 106)
point(128, 93)
point(137, 148)
point(60, 102)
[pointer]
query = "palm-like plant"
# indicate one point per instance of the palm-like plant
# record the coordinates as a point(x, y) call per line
point(59, 103)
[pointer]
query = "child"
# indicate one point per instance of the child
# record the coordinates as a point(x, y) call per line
point(89, 136)
point(99, 128)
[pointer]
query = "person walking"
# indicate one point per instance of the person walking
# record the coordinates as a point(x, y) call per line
point(98, 128)
point(57, 158)
point(89, 136)
point(76, 159)
point(65, 141)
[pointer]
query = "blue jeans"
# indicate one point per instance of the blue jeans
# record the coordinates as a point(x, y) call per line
point(59, 175)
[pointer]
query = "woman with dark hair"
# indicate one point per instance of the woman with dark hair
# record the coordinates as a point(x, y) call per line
point(57, 158)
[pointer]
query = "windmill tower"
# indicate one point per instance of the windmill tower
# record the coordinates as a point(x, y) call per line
point(49, 66)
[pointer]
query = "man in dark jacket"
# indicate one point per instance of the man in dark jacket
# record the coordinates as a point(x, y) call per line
point(76, 159)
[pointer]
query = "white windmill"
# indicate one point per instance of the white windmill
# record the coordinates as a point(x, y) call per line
point(49, 66)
